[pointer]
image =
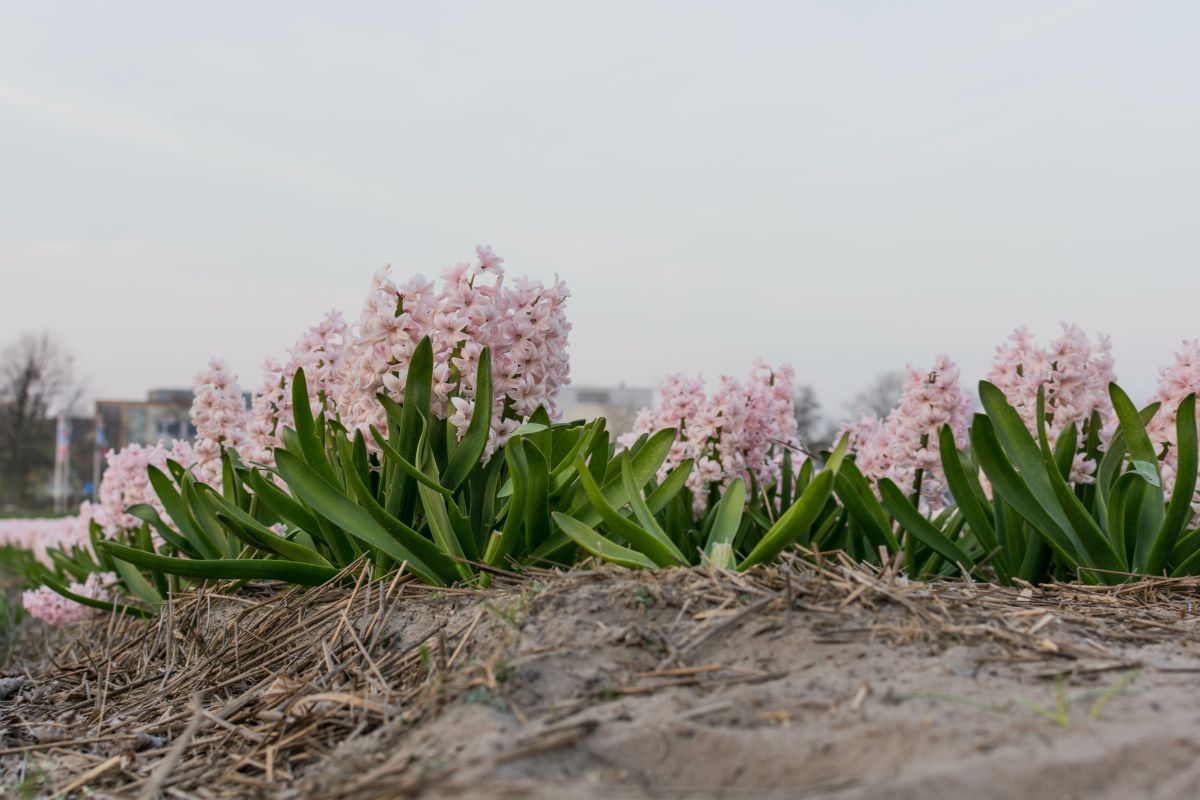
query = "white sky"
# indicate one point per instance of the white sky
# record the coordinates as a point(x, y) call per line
point(844, 186)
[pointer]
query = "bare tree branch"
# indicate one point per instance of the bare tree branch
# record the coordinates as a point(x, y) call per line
point(37, 380)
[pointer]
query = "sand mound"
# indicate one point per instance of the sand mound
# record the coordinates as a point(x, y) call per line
point(793, 682)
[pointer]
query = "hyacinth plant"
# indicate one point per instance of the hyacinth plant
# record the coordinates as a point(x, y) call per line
point(748, 491)
point(417, 495)
point(1108, 493)
point(408, 416)
point(425, 439)
point(430, 501)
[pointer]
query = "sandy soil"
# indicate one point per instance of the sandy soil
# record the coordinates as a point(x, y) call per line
point(794, 683)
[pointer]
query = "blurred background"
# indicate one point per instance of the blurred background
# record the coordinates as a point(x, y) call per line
point(845, 187)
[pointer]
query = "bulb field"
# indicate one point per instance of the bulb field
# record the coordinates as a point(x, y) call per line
point(385, 531)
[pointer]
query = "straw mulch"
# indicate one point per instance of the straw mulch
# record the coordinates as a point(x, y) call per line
point(253, 693)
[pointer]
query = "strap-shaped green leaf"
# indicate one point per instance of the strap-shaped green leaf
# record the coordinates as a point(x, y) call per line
point(804, 476)
point(1113, 460)
point(647, 455)
point(310, 440)
point(445, 568)
point(173, 503)
point(344, 513)
point(919, 527)
point(115, 608)
point(147, 513)
point(633, 494)
point(1086, 531)
point(407, 467)
point(283, 504)
point(137, 584)
point(561, 475)
point(1179, 509)
point(1026, 456)
point(1187, 554)
point(644, 463)
point(977, 515)
point(1141, 452)
point(537, 495)
point(673, 484)
point(581, 445)
point(787, 479)
point(418, 394)
point(225, 568)
point(1127, 493)
point(599, 546)
point(1132, 427)
point(257, 535)
point(726, 522)
point(660, 550)
point(474, 441)
point(203, 520)
point(501, 544)
point(1010, 487)
point(1065, 448)
point(436, 515)
point(855, 494)
point(794, 524)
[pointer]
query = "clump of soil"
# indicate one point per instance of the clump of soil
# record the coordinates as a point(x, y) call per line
point(802, 680)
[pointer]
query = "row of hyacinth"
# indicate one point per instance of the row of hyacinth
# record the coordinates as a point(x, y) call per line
point(1072, 372)
point(740, 431)
point(35, 535)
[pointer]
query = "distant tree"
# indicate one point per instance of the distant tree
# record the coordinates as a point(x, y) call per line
point(879, 397)
point(808, 414)
point(37, 380)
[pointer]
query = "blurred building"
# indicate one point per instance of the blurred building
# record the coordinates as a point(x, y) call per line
point(162, 415)
point(618, 404)
point(118, 423)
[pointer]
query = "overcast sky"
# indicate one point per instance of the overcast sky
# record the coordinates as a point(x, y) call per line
point(844, 186)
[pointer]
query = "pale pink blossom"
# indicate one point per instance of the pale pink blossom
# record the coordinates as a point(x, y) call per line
point(1074, 374)
point(741, 431)
point(1176, 382)
point(522, 322)
point(905, 444)
point(52, 608)
point(126, 482)
point(219, 416)
point(319, 352)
